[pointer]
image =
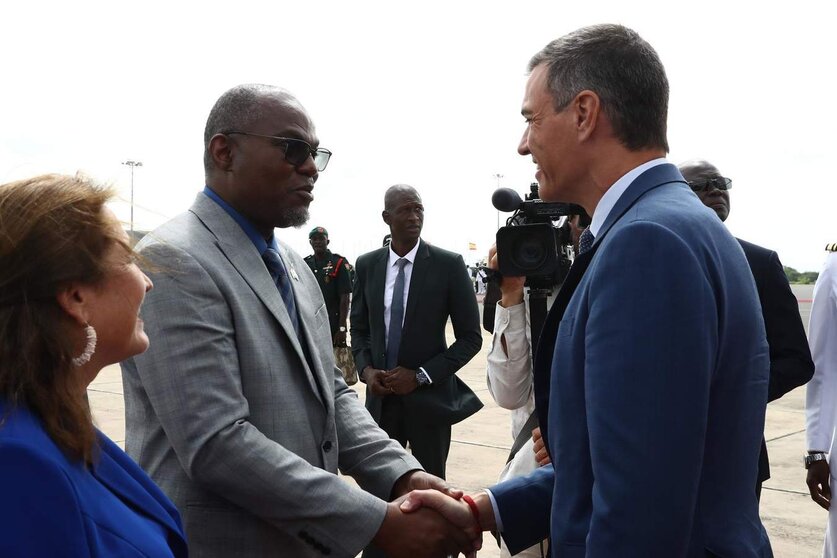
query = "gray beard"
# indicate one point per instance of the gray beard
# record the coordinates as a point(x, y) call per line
point(295, 217)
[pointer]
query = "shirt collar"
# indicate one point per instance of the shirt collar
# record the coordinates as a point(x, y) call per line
point(612, 195)
point(249, 229)
point(410, 256)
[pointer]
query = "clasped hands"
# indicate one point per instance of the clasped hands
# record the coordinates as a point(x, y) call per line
point(430, 519)
point(398, 381)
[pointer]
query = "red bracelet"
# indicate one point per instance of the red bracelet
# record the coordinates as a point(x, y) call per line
point(475, 511)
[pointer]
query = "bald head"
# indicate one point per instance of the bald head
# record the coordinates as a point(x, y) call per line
point(696, 168)
point(239, 108)
point(394, 195)
point(697, 172)
point(404, 213)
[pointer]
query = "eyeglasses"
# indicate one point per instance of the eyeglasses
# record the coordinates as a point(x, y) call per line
point(708, 184)
point(296, 150)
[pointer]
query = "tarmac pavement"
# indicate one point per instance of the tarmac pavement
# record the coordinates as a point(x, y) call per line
point(481, 443)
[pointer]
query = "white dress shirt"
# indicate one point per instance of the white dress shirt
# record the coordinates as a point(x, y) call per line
point(509, 376)
point(389, 287)
point(509, 372)
point(612, 195)
point(392, 273)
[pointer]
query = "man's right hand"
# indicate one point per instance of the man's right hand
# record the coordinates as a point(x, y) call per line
point(374, 378)
point(511, 288)
point(819, 483)
point(421, 533)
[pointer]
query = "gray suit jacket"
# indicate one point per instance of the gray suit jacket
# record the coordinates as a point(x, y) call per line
point(229, 417)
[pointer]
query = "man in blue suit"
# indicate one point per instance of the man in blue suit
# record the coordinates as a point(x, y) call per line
point(651, 372)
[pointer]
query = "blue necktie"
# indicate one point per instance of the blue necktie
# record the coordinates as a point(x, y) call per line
point(277, 271)
point(396, 316)
point(585, 241)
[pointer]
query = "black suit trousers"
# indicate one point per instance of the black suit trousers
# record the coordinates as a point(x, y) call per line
point(429, 443)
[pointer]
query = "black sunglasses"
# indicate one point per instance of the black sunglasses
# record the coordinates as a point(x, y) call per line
point(296, 150)
point(718, 182)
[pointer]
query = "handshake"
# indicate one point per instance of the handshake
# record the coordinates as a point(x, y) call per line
point(433, 520)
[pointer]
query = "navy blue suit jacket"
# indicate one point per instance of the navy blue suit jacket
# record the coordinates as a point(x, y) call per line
point(56, 507)
point(651, 382)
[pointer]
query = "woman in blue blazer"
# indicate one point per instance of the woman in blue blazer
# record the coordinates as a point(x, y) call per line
point(70, 295)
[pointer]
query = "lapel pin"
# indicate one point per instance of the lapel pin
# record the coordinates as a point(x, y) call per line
point(293, 273)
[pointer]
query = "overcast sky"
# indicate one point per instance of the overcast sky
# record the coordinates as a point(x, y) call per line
point(425, 93)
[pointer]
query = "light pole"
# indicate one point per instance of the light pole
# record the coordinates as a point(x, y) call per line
point(498, 177)
point(133, 165)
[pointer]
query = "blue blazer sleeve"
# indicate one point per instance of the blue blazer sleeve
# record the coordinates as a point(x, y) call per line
point(40, 515)
point(524, 504)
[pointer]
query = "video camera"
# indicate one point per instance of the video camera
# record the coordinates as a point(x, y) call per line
point(531, 244)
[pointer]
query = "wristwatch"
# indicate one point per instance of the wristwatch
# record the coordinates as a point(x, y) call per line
point(342, 329)
point(422, 378)
point(811, 458)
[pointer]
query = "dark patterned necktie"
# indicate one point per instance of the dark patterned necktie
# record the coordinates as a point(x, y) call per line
point(396, 316)
point(279, 273)
point(585, 241)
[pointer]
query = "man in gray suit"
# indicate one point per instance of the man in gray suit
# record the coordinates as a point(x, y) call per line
point(238, 411)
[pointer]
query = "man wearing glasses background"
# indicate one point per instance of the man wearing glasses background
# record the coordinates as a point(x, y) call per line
point(238, 411)
point(790, 358)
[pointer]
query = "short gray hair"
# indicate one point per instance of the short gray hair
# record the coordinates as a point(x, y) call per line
point(238, 108)
point(622, 69)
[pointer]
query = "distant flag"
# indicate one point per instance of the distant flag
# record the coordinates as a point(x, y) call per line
point(472, 246)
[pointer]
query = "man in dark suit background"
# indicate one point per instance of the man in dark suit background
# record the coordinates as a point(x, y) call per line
point(398, 321)
point(791, 364)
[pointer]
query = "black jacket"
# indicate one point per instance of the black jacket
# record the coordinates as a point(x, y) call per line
point(439, 287)
point(790, 358)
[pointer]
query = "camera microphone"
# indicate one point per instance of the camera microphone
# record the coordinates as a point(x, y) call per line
point(506, 200)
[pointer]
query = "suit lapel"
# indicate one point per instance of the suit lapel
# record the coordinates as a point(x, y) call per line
point(119, 480)
point(420, 268)
point(305, 309)
point(377, 285)
point(546, 345)
point(242, 254)
point(645, 182)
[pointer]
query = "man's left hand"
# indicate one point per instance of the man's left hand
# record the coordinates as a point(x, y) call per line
point(340, 339)
point(421, 480)
point(401, 381)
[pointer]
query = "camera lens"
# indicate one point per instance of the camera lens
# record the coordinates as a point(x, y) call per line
point(529, 253)
point(528, 250)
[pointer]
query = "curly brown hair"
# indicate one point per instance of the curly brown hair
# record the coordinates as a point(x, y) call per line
point(53, 232)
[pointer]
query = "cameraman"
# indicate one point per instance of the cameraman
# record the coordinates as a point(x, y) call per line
point(509, 374)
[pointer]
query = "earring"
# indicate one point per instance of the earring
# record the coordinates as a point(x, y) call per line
point(89, 347)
